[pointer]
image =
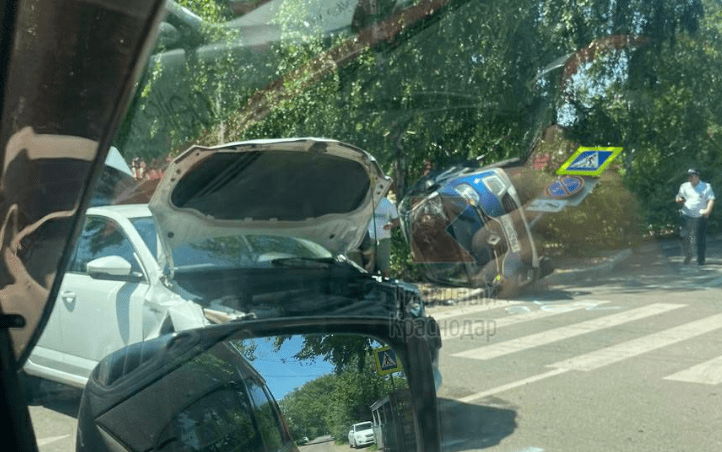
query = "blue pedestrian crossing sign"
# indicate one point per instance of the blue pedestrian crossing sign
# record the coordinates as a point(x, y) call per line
point(589, 161)
point(386, 360)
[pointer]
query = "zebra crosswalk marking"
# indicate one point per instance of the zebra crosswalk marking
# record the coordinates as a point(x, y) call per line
point(448, 333)
point(708, 372)
point(565, 332)
point(634, 347)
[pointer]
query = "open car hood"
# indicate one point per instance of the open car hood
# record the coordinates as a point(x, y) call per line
point(315, 189)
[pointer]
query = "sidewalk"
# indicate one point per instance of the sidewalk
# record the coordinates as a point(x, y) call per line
point(567, 270)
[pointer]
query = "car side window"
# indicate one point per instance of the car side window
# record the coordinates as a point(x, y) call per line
point(267, 417)
point(219, 421)
point(102, 237)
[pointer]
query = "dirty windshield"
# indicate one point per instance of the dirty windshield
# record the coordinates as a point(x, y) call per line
point(540, 177)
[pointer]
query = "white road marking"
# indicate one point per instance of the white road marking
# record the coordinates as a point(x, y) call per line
point(486, 305)
point(513, 385)
point(45, 441)
point(708, 372)
point(565, 332)
point(615, 353)
point(451, 333)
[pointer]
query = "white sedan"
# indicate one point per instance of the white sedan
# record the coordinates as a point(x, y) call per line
point(111, 296)
point(361, 434)
point(114, 293)
point(202, 252)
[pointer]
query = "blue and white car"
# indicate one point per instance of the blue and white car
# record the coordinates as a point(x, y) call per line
point(466, 227)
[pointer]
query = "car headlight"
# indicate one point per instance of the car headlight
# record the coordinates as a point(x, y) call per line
point(495, 185)
point(468, 192)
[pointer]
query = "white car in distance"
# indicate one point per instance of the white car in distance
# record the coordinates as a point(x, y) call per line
point(361, 434)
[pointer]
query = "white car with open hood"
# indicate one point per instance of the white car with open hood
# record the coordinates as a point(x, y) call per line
point(318, 190)
point(257, 229)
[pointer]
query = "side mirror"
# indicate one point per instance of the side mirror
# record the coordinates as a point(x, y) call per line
point(248, 386)
point(110, 267)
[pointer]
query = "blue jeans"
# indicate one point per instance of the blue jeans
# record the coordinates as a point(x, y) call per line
point(694, 231)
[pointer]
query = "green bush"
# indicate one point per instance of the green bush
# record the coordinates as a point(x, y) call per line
point(608, 218)
point(402, 266)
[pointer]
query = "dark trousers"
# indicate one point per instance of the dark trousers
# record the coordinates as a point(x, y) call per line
point(694, 231)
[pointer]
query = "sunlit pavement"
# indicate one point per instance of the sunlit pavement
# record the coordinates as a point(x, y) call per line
point(628, 361)
point(325, 444)
point(53, 411)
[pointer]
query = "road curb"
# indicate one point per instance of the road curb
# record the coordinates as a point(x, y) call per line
point(669, 243)
point(568, 276)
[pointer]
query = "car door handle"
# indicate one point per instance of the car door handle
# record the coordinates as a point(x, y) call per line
point(69, 299)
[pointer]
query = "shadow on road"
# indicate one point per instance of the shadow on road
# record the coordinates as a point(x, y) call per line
point(53, 396)
point(658, 268)
point(541, 293)
point(467, 426)
point(663, 274)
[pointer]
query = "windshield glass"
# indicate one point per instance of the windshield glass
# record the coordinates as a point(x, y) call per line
point(146, 228)
point(538, 176)
point(364, 426)
point(245, 251)
point(231, 251)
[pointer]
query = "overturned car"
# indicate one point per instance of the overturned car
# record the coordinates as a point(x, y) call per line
point(466, 227)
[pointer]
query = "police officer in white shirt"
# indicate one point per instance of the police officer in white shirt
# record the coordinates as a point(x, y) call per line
point(697, 200)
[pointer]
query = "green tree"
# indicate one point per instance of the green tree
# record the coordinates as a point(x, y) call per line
point(334, 402)
point(451, 80)
point(342, 351)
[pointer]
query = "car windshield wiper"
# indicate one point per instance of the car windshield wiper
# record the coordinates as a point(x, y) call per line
point(305, 262)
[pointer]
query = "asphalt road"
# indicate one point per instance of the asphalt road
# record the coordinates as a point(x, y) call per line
point(631, 361)
point(628, 361)
point(324, 444)
point(53, 411)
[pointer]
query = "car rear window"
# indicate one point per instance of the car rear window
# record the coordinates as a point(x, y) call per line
point(364, 426)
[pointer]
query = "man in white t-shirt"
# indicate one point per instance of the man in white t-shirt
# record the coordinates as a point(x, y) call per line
point(385, 219)
point(697, 200)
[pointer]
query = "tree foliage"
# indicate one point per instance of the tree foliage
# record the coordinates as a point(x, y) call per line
point(447, 80)
point(342, 351)
point(334, 402)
